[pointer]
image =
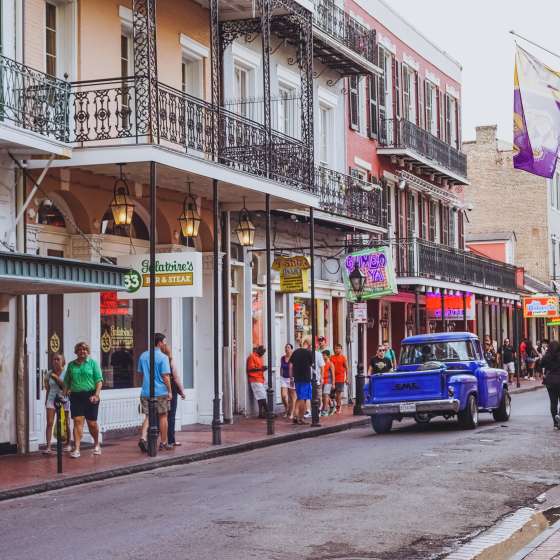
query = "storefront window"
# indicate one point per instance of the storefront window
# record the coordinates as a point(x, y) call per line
point(258, 317)
point(123, 338)
point(302, 319)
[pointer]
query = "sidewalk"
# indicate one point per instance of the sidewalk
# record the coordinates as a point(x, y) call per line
point(34, 473)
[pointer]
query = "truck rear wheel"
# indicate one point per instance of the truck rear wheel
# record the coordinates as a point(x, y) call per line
point(422, 418)
point(503, 412)
point(381, 423)
point(468, 417)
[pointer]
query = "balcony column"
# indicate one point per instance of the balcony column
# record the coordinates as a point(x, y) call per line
point(443, 320)
point(215, 72)
point(267, 120)
point(465, 322)
point(145, 68)
point(305, 59)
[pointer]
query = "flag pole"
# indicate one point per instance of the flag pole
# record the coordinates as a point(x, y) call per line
point(535, 44)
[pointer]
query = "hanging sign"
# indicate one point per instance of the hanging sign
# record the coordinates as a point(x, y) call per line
point(540, 306)
point(555, 322)
point(360, 312)
point(294, 276)
point(453, 306)
point(176, 275)
point(377, 266)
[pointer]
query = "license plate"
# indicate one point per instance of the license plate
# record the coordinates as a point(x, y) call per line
point(407, 407)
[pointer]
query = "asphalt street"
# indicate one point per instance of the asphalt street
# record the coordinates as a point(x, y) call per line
point(411, 494)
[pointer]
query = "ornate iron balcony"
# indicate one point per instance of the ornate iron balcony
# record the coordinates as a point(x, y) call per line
point(33, 100)
point(339, 25)
point(421, 258)
point(350, 197)
point(401, 133)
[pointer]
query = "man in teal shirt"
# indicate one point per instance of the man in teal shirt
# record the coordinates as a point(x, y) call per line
point(390, 354)
point(162, 391)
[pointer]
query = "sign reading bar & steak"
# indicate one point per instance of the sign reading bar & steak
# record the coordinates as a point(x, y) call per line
point(293, 273)
point(377, 266)
point(540, 306)
point(176, 275)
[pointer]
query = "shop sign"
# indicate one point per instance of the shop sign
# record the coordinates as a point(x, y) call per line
point(360, 312)
point(176, 275)
point(453, 306)
point(555, 322)
point(540, 306)
point(294, 276)
point(377, 266)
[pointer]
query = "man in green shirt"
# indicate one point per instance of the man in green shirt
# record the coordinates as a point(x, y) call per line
point(83, 380)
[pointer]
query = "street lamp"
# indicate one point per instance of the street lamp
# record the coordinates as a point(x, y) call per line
point(190, 218)
point(245, 229)
point(121, 206)
point(554, 240)
point(358, 281)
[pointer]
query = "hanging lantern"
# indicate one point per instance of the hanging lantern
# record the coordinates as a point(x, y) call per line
point(190, 218)
point(122, 206)
point(245, 229)
point(357, 281)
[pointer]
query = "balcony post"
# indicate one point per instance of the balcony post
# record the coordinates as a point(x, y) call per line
point(267, 121)
point(443, 320)
point(305, 56)
point(215, 73)
point(145, 68)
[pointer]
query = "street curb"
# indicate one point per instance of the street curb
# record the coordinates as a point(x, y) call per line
point(527, 390)
point(512, 533)
point(181, 460)
point(535, 543)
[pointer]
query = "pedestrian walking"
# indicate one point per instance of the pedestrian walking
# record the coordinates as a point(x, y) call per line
point(523, 356)
point(390, 354)
point(542, 346)
point(300, 370)
point(287, 390)
point(507, 358)
point(54, 386)
point(322, 344)
point(177, 390)
point(340, 375)
point(83, 380)
point(162, 392)
point(490, 354)
point(380, 363)
point(551, 366)
point(316, 373)
point(531, 357)
point(255, 374)
point(327, 384)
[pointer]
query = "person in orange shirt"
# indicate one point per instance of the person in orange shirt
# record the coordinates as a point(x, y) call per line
point(255, 374)
point(327, 383)
point(340, 374)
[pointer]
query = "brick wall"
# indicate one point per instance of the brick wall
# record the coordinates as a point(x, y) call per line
point(505, 199)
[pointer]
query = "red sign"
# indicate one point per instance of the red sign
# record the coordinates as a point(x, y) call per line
point(110, 304)
point(453, 306)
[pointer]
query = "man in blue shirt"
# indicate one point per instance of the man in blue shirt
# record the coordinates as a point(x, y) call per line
point(162, 391)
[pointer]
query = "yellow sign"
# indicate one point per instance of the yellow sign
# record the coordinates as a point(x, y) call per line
point(294, 273)
point(54, 343)
point(106, 342)
point(166, 279)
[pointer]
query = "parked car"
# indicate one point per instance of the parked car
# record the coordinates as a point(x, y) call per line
point(440, 374)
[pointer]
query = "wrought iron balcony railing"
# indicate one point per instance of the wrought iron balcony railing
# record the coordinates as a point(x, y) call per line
point(103, 113)
point(338, 24)
point(350, 197)
point(421, 258)
point(400, 133)
point(33, 100)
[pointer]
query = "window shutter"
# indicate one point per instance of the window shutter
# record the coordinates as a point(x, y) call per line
point(373, 119)
point(418, 100)
point(433, 227)
point(458, 124)
point(396, 88)
point(461, 230)
point(420, 216)
point(353, 102)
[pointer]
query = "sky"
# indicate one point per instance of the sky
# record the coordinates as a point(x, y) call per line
point(476, 33)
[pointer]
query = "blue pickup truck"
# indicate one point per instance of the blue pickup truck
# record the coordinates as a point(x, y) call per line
point(440, 374)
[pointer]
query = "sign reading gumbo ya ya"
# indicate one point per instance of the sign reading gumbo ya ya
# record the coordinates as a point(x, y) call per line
point(377, 266)
point(294, 276)
point(540, 306)
point(176, 275)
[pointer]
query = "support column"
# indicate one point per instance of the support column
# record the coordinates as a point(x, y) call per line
point(443, 319)
point(145, 69)
point(227, 381)
point(269, 321)
point(153, 426)
point(215, 73)
point(500, 340)
point(267, 121)
point(305, 58)
point(465, 321)
point(216, 423)
point(315, 403)
point(416, 312)
point(516, 342)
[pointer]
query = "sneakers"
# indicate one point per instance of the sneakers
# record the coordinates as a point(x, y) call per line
point(557, 422)
point(143, 445)
point(67, 448)
point(97, 450)
point(307, 414)
point(47, 451)
point(324, 413)
point(75, 454)
point(165, 446)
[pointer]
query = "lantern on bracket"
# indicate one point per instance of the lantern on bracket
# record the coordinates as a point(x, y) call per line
point(245, 229)
point(190, 218)
point(122, 206)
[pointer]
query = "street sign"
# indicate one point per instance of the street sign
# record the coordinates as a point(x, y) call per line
point(360, 312)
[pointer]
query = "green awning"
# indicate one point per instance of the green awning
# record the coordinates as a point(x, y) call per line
point(21, 273)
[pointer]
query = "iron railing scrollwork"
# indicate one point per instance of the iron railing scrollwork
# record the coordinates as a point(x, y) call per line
point(401, 133)
point(33, 100)
point(338, 24)
point(421, 258)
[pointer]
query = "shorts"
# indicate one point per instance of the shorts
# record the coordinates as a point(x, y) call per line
point(80, 405)
point(339, 387)
point(530, 361)
point(303, 391)
point(510, 367)
point(50, 403)
point(162, 405)
point(327, 388)
point(285, 383)
point(259, 391)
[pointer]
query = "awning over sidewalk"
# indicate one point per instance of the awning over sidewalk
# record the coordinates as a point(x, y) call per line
point(21, 273)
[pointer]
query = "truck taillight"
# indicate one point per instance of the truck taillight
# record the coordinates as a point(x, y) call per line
point(450, 391)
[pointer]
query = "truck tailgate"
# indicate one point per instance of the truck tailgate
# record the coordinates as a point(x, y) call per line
point(408, 387)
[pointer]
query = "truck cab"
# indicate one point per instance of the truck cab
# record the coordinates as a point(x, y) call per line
point(439, 374)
